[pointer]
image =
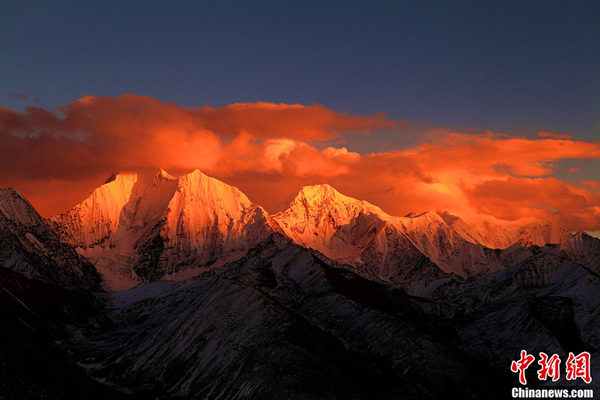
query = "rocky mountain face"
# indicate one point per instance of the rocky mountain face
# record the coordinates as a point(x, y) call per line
point(280, 324)
point(28, 244)
point(210, 297)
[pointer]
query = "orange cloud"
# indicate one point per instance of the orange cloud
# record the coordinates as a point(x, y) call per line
point(93, 136)
point(270, 151)
point(98, 134)
point(545, 198)
point(305, 123)
point(543, 134)
point(595, 185)
point(131, 132)
point(331, 152)
point(491, 174)
point(281, 157)
point(510, 155)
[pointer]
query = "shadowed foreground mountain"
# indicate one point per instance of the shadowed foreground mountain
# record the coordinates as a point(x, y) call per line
point(158, 287)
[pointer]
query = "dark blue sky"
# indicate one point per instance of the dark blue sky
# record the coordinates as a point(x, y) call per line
point(512, 67)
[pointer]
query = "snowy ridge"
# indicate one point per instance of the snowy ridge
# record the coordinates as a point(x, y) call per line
point(580, 248)
point(15, 207)
point(360, 234)
point(144, 227)
point(317, 218)
point(208, 220)
point(542, 232)
point(28, 244)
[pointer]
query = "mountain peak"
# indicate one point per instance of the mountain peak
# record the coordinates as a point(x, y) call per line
point(581, 235)
point(202, 186)
point(148, 225)
point(197, 173)
point(10, 192)
point(165, 175)
point(198, 178)
point(315, 215)
point(16, 207)
point(322, 191)
point(428, 217)
point(324, 197)
point(542, 232)
point(111, 178)
point(321, 195)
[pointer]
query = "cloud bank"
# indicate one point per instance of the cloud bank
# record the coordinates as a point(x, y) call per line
point(271, 150)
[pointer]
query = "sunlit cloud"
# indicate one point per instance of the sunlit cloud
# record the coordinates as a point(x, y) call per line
point(305, 123)
point(594, 185)
point(95, 134)
point(551, 135)
point(270, 151)
point(332, 152)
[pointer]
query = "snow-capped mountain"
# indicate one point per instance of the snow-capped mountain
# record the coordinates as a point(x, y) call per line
point(29, 245)
point(141, 227)
point(542, 232)
point(460, 248)
point(331, 298)
point(502, 234)
point(582, 249)
point(321, 218)
point(355, 232)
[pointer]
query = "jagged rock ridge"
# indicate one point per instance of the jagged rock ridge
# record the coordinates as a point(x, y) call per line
point(28, 244)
